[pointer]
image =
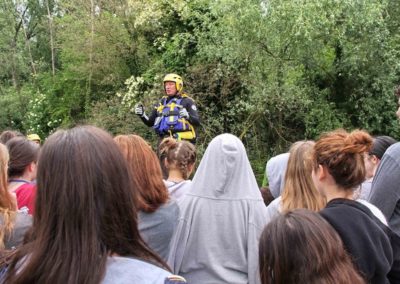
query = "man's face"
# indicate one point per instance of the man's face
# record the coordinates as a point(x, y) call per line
point(170, 88)
point(398, 109)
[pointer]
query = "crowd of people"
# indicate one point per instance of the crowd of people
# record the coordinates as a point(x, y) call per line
point(86, 207)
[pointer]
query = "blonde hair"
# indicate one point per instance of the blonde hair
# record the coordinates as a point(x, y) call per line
point(8, 204)
point(299, 191)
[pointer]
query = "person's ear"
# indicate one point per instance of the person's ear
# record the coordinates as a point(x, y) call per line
point(190, 168)
point(166, 164)
point(321, 172)
point(31, 167)
point(374, 159)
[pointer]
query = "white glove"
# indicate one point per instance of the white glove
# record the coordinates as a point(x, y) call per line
point(139, 109)
point(183, 113)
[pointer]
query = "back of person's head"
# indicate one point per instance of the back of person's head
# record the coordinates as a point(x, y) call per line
point(178, 154)
point(275, 172)
point(266, 195)
point(299, 190)
point(8, 134)
point(380, 145)
point(145, 170)
point(85, 211)
point(301, 247)
point(22, 153)
point(342, 153)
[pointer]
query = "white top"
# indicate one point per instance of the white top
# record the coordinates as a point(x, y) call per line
point(375, 210)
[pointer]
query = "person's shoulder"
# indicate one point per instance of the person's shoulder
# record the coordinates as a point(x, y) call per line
point(23, 219)
point(131, 270)
point(26, 186)
point(393, 151)
point(276, 203)
point(335, 207)
point(26, 190)
point(338, 210)
point(161, 100)
point(186, 97)
point(374, 210)
point(169, 210)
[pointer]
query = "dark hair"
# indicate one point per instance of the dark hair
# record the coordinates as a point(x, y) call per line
point(380, 144)
point(85, 212)
point(8, 134)
point(146, 172)
point(301, 247)
point(342, 154)
point(22, 153)
point(266, 195)
point(180, 154)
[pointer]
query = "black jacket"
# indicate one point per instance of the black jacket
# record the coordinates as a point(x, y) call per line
point(373, 247)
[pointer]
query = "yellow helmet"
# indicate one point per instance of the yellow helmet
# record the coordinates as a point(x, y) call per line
point(175, 78)
point(33, 137)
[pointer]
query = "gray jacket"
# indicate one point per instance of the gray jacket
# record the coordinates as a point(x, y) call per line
point(385, 191)
point(22, 223)
point(158, 227)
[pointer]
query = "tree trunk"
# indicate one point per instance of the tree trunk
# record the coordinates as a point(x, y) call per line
point(14, 50)
point(50, 20)
point(28, 43)
point(14, 63)
point(89, 83)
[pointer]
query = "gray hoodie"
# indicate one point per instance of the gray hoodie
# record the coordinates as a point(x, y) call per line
point(275, 171)
point(385, 191)
point(21, 224)
point(177, 189)
point(222, 217)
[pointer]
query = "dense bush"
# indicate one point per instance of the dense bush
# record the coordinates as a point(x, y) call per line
point(271, 72)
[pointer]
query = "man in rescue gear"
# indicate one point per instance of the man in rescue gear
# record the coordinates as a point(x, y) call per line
point(176, 113)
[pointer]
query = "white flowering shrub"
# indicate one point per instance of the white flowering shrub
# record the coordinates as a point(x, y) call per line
point(38, 117)
point(138, 90)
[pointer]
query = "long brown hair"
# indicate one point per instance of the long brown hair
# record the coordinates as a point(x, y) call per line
point(146, 171)
point(178, 154)
point(341, 153)
point(22, 153)
point(85, 211)
point(301, 247)
point(8, 204)
point(299, 190)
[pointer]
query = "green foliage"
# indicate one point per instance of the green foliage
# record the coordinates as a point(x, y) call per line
point(14, 108)
point(271, 72)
